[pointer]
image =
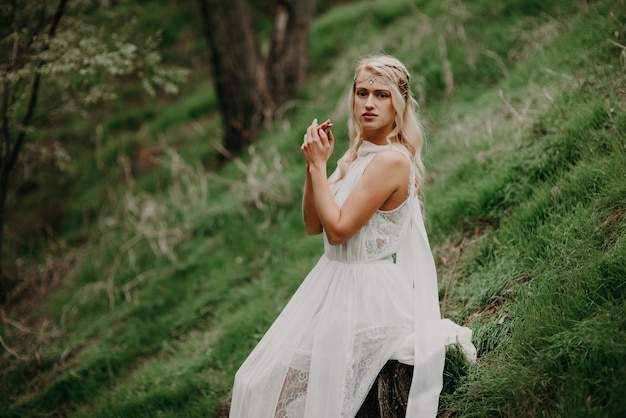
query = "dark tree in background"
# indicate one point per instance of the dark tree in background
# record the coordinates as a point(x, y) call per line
point(251, 87)
point(57, 52)
point(13, 135)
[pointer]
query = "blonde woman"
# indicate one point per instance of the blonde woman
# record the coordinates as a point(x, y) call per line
point(372, 296)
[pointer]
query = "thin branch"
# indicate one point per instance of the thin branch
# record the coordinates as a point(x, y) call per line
point(40, 25)
point(6, 136)
point(11, 351)
point(219, 147)
point(13, 322)
point(509, 106)
point(23, 58)
point(6, 93)
point(560, 74)
point(34, 95)
point(498, 61)
point(617, 44)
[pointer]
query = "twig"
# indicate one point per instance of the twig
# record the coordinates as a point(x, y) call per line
point(552, 72)
point(8, 369)
point(126, 288)
point(498, 61)
point(509, 106)
point(10, 351)
point(219, 147)
point(34, 94)
point(13, 322)
point(617, 44)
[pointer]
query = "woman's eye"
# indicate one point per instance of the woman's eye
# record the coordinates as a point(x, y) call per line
point(382, 95)
point(361, 94)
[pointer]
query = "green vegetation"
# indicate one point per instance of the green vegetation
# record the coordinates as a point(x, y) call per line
point(172, 274)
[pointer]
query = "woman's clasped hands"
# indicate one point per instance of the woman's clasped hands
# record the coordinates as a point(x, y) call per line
point(318, 143)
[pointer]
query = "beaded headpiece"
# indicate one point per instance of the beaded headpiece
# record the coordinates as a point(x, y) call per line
point(402, 85)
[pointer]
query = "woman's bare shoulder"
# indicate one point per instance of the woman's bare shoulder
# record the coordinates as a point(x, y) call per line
point(390, 160)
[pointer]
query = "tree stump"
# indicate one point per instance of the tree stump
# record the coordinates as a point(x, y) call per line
point(389, 395)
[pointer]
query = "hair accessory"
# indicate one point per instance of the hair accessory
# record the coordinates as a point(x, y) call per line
point(403, 85)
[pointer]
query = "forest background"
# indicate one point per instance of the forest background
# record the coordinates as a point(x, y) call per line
point(144, 266)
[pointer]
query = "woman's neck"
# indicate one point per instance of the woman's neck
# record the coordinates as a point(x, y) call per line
point(378, 137)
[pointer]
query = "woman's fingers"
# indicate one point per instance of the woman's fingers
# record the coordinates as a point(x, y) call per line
point(323, 138)
point(318, 141)
point(331, 138)
point(313, 135)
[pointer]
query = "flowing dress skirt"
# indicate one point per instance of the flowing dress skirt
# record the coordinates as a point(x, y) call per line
point(323, 353)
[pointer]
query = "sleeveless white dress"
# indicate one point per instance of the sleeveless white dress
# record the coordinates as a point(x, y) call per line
point(355, 310)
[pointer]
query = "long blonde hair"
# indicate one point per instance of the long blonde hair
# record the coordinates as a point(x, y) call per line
point(407, 129)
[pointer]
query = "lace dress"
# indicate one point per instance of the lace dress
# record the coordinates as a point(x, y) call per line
point(353, 312)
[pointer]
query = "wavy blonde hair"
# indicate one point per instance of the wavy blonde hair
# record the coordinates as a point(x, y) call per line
point(407, 129)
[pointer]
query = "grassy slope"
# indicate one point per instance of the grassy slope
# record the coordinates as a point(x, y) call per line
point(526, 210)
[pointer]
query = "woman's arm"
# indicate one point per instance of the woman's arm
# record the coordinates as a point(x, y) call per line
point(312, 222)
point(387, 174)
point(386, 178)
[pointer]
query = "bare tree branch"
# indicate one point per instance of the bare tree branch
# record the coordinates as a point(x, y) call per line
point(6, 95)
point(34, 94)
point(9, 155)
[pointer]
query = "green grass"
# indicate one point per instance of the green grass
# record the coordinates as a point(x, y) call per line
point(182, 272)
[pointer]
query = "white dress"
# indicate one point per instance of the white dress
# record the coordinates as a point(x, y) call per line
point(352, 313)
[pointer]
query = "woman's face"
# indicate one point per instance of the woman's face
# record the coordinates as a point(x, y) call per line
point(373, 106)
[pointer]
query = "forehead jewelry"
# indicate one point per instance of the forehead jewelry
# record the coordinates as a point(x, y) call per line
point(370, 80)
point(402, 85)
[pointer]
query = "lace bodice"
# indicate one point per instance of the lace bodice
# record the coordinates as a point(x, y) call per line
point(379, 238)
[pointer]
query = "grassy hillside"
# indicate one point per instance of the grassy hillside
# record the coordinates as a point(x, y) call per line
point(188, 264)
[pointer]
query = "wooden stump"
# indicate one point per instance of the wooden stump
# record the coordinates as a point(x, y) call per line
point(388, 396)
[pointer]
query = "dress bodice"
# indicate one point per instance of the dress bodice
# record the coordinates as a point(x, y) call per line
point(380, 237)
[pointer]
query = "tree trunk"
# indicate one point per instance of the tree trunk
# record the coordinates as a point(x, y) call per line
point(389, 395)
point(288, 60)
point(236, 64)
point(250, 88)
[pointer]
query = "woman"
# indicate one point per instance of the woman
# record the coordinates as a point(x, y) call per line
point(372, 296)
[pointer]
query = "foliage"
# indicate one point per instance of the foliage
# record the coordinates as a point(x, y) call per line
point(525, 201)
point(63, 60)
